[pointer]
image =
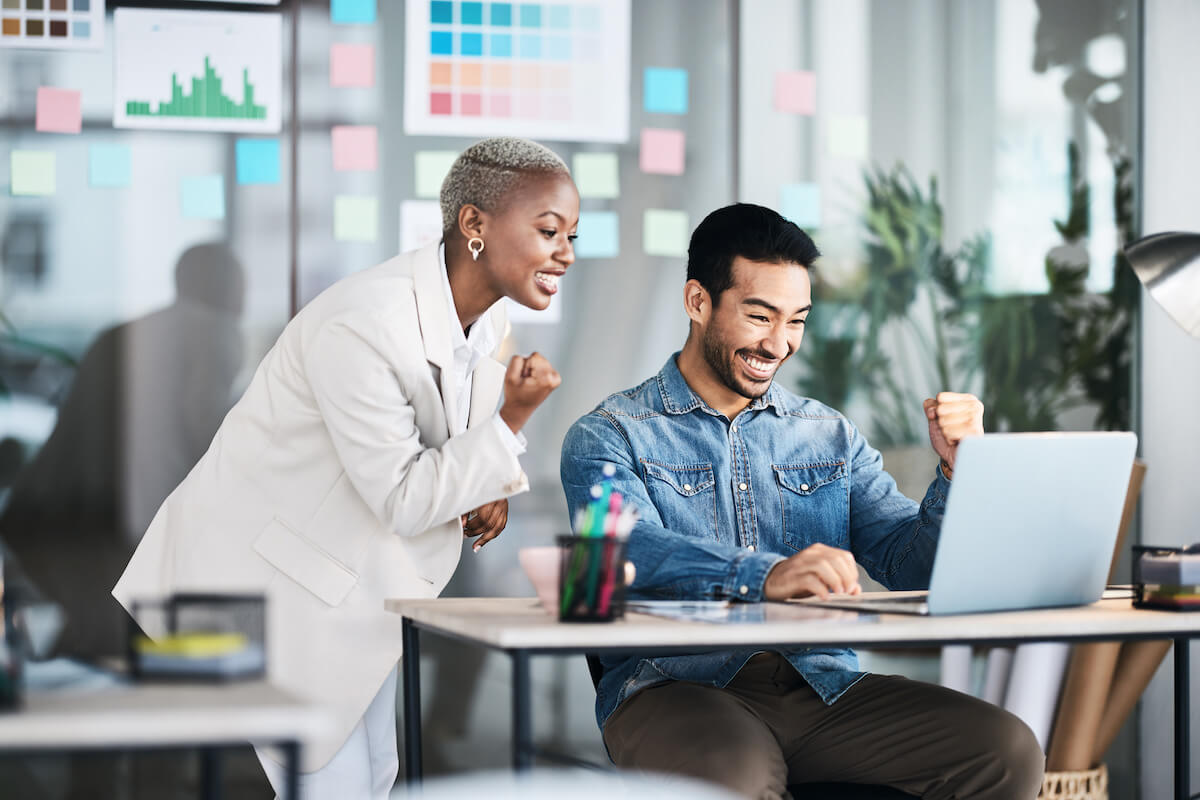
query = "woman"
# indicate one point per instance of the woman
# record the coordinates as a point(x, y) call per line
point(367, 438)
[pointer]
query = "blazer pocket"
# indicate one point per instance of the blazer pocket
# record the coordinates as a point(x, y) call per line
point(305, 563)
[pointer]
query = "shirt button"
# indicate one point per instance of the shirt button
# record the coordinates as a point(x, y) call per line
point(687, 487)
point(804, 487)
point(745, 589)
point(742, 486)
point(750, 547)
point(733, 428)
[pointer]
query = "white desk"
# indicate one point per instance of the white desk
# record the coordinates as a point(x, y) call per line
point(148, 716)
point(519, 627)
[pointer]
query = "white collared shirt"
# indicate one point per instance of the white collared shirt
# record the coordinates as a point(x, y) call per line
point(469, 349)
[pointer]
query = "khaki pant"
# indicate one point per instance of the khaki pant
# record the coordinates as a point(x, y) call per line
point(768, 731)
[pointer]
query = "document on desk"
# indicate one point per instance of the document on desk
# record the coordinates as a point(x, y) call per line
point(728, 612)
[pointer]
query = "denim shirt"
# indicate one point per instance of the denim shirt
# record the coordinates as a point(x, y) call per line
point(723, 501)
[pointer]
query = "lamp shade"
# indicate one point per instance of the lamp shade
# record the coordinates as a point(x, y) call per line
point(1168, 265)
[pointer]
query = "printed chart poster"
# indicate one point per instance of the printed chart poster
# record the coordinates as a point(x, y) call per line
point(557, 71)
point(52, 24)
point(198, 70)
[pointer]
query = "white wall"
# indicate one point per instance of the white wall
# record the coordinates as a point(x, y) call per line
point(1170, 359)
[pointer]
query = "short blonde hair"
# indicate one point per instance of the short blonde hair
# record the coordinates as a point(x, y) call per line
point(487, 170)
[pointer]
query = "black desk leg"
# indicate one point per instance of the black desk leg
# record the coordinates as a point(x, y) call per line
point(412, 701)
point(522, 723)
point(1183, 782)
point(210, 773)
point(291, 769)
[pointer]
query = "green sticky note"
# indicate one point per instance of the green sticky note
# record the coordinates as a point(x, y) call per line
point(665, 233)
point(596, 174)
point(848, 136)
point(32, 172)
point(430, 171)
point(355, 218)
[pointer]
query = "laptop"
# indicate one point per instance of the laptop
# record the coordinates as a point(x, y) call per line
point(1031, 522)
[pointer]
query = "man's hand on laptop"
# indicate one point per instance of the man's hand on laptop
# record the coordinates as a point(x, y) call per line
point(817, 570)
point(952, 418)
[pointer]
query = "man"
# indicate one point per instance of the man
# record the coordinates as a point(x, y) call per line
point(749, 492)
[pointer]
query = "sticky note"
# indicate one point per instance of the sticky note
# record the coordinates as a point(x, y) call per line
point(662, 151)
point(599, 235)
point(257, 161)
point(796, 92)
point(202, 197)
point(596, 174)
point(846, 136)
point(59, 110)
point(32, 172)
point(352, 12)
point(431, 169)
point(420, 224)
point(665, 232)
point(665, 90)
point(110, 165)
point(355, 218)
point(351, 65)
point(801, 203)
point(355, 147)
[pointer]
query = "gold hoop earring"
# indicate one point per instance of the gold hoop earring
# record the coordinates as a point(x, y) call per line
point(475, 245)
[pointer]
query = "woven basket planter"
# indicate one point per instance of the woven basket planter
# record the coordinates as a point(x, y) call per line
point(1089, 784)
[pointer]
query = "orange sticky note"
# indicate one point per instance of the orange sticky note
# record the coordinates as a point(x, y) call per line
point(662, 151)
point(351, 65)
point(355, 147)
point(796, 92)
point(59, 110)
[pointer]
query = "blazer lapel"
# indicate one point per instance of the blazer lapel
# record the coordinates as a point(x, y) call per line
point(487, 381)
point(433, 313)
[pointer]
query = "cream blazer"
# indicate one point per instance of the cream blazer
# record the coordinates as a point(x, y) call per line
point(337, 481)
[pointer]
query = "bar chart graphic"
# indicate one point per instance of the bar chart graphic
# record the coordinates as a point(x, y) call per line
point(203, 71)
point(543, 70)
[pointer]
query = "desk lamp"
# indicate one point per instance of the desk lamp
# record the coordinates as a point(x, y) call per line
point(1168, 265)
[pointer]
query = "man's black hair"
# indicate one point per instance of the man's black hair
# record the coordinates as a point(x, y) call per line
point(753, 232)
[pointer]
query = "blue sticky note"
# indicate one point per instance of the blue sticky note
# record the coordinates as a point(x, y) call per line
point(502, 14)
point(500, 45)
point(801, 203)
point(558, 48)
point(352, 12)
point(665, 90)
point(257, 161)
point(471, 44)
point(531, 16)
point(531, 46)
point(202, 197)
point(441, 43)
point(110, 165)
point(599, 235)
point(560, 17)
point(441, 12)
point(472, 13)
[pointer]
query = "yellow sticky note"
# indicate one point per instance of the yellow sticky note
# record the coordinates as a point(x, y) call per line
point(32, 172)
point(847, 137)
point(596, 174)
point(430, 171)
point(355, 218)
point(665, 233)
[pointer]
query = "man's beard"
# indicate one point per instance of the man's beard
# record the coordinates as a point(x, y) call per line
point(715, 355)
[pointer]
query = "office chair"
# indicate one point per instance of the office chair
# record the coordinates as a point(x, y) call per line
point(801, 791)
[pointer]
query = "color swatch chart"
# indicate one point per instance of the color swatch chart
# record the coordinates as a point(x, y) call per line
point(53, 24)
point(556, 71)
point(198, 70)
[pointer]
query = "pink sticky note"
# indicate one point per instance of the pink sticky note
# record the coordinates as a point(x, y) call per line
point(351, 65)
point(796, 92)
point(59, 110)
point(662, 151)
point(355, 147)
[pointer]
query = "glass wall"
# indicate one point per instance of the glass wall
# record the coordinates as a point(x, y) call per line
point(965, 167)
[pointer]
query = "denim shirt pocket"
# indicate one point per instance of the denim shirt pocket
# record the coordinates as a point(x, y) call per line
point(815, 504)
point(685, 496)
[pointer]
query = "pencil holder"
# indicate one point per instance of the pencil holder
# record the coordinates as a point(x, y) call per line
point(591, 582)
